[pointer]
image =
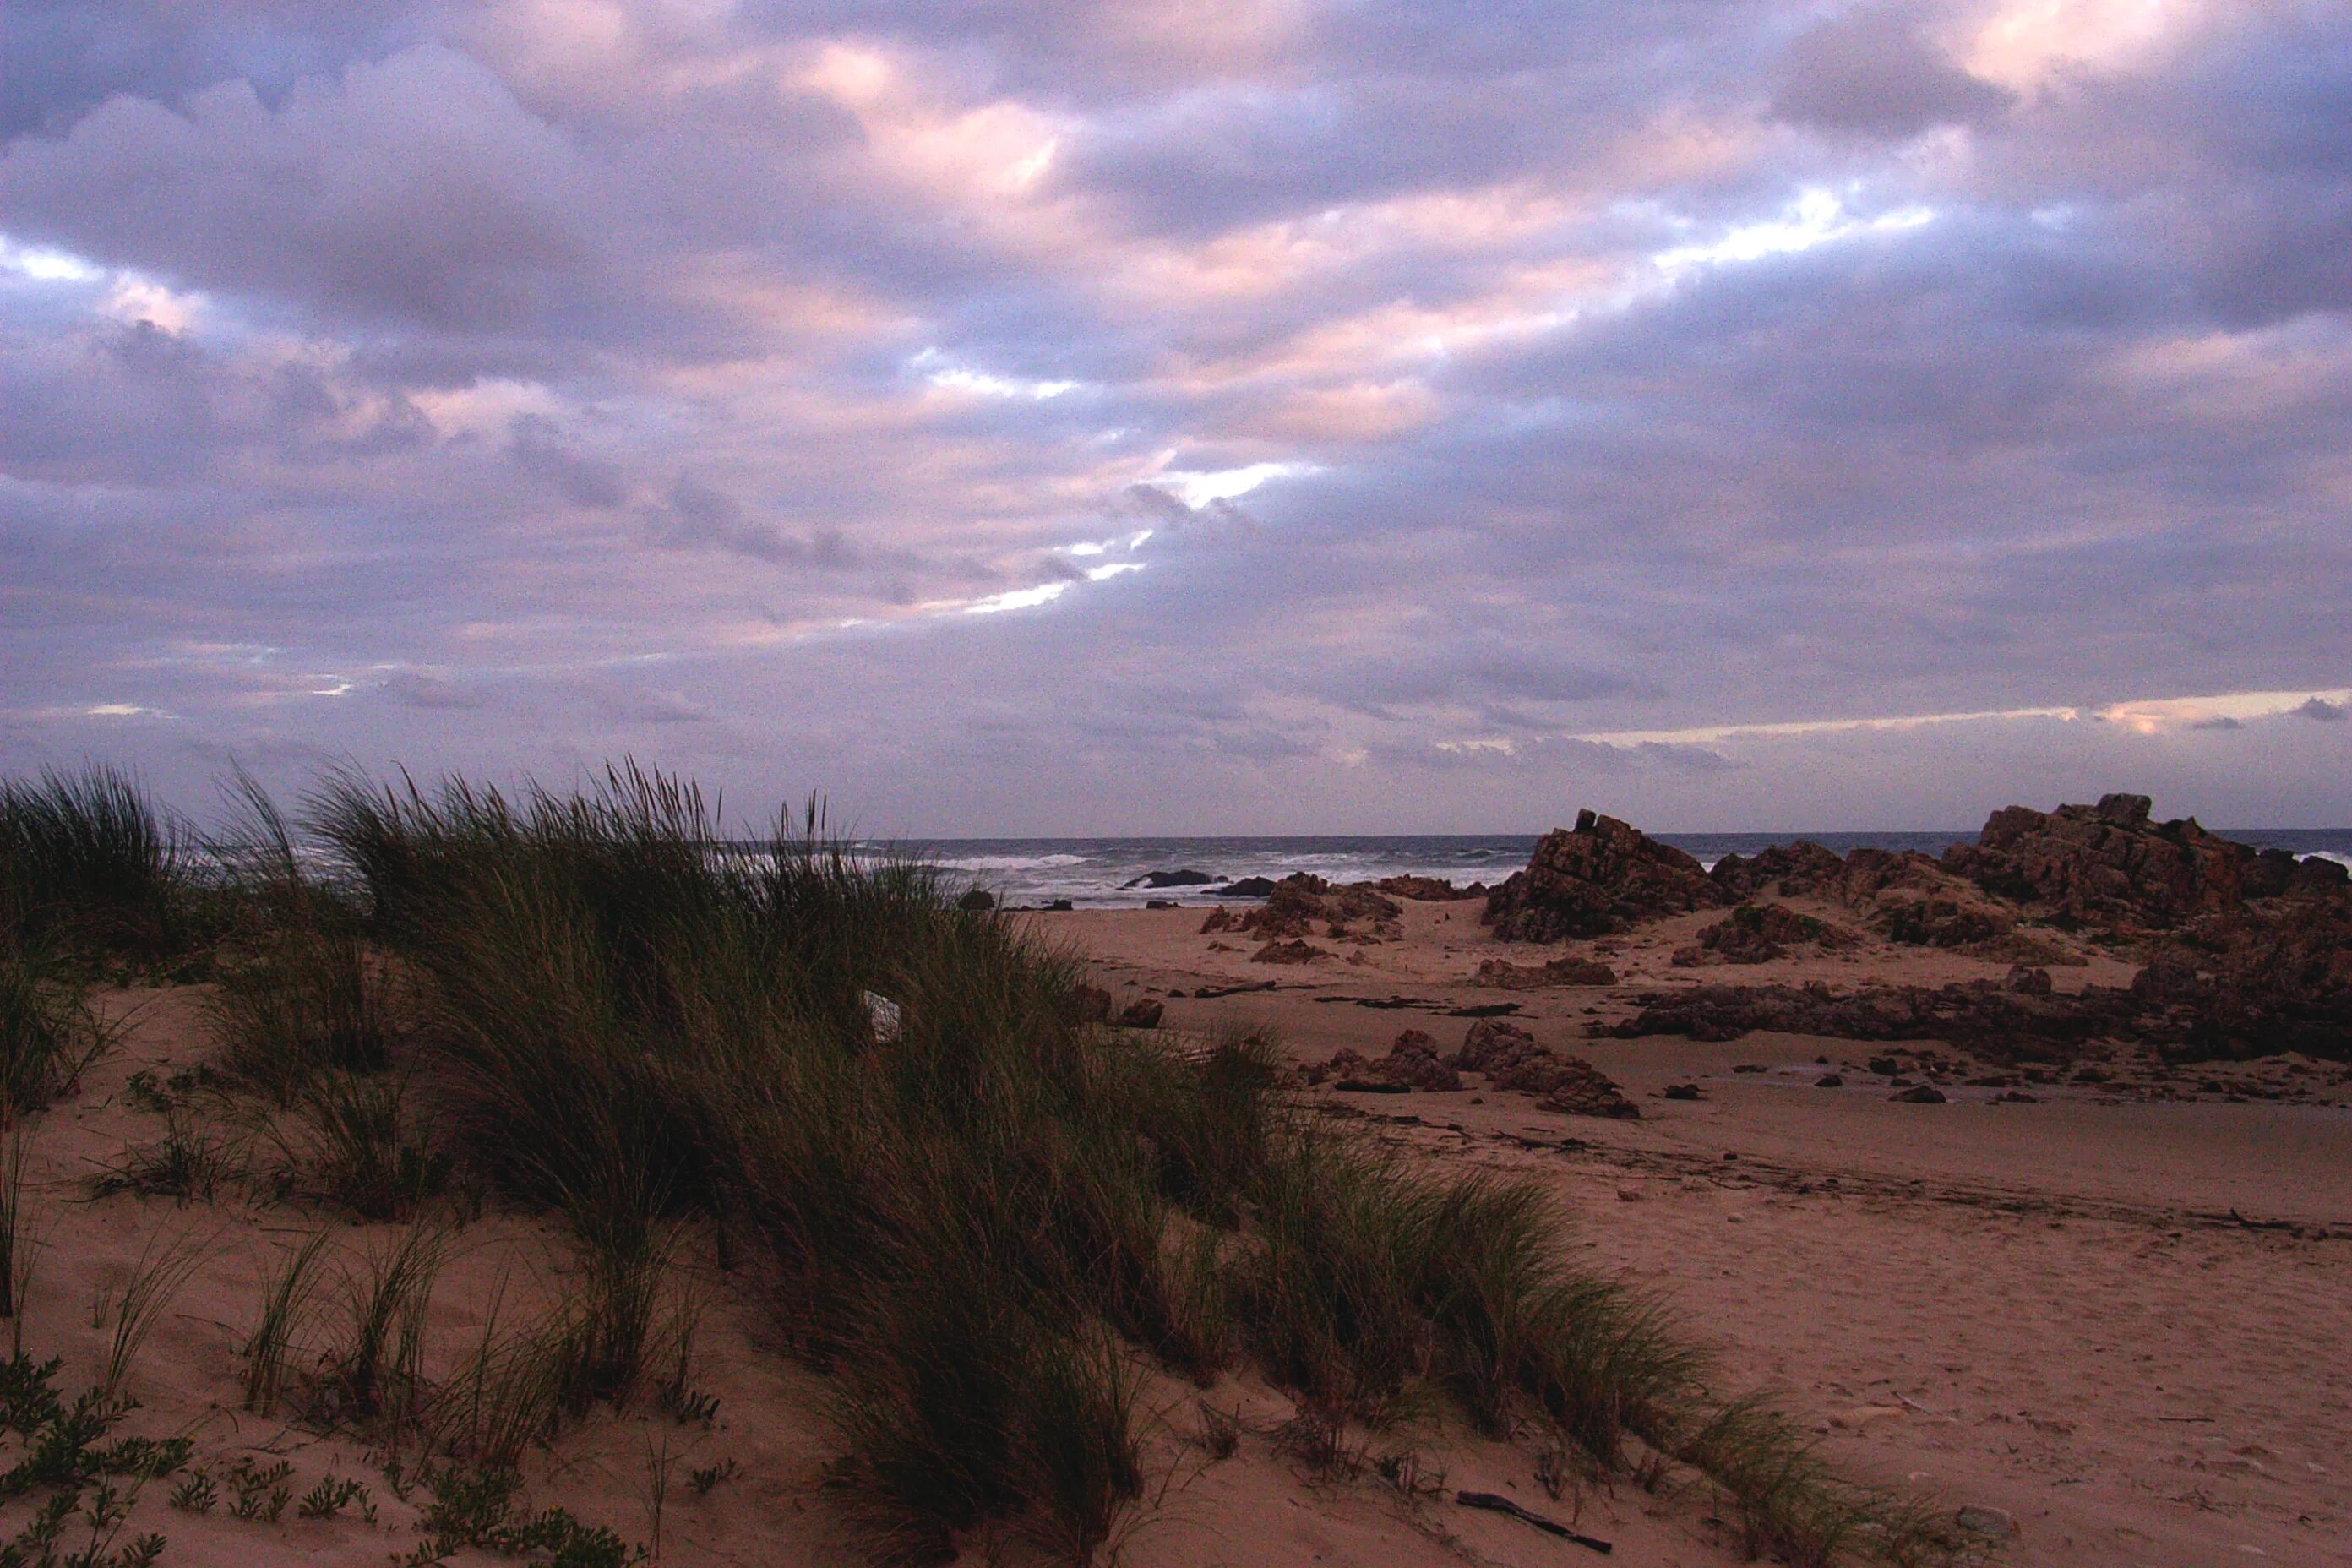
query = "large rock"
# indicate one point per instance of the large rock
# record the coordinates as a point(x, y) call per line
point(2109, 866)
point(1790, 869)
point(1186, 877)
point(1513, 1060)
point(1601, 876)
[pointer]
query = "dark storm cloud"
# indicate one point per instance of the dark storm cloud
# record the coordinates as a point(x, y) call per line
point(1240, 414)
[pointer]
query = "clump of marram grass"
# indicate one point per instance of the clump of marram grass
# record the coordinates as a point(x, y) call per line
point(371, 1372)
point(90, 865)
point(359, 1143)
point(302, 995)
point(287, 1305)
point(51, 1031)
point(982, 1222)
point(190, 1158)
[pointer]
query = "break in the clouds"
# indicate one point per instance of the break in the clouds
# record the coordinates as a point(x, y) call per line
point(1114, 417)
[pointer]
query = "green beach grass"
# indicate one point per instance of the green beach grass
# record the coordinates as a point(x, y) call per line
point(991, 1223)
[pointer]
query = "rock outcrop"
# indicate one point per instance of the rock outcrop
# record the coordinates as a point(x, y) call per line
point(1601, 876)
point(1904, 896)
point(1186, 877)
point(2110, 867)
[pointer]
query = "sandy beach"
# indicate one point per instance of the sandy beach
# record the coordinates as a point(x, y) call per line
point(2104, 1316)
point(2108, 1319)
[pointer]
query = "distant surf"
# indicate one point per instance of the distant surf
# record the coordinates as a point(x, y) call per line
point(1095, 873)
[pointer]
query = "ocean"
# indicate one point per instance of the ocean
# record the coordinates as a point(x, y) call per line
point(1095, 873)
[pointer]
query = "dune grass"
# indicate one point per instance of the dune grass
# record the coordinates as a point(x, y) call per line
point(51, 1030)
point(87, 862)
point(988, 1223)
point(288, 1305)
point(359, 1143)
point(300, 993)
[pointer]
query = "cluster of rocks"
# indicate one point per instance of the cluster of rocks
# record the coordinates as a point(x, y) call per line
point(1298, 903)
point(1601, 876)
point(1511, 1059)
point(2021, 1019)
point(1505, 975)
point(2245, 952)
point(2170, 1007)
point(1411, 1063)
point(1758, 933)
point(1093, 1004)
point(1515, 1061)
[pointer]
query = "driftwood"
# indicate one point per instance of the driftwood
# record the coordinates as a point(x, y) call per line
point(1495, 1502)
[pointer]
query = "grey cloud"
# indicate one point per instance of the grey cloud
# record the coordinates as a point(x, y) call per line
point(695, 516)
point(412, 188)
point(1871, 72)
point(431, 692)
point(2321, 709)
point(580, 480)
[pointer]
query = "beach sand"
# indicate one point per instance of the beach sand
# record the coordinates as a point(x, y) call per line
point(2046, 1309)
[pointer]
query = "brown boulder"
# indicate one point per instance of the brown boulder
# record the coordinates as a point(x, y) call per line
point(1912, 899)
point(1583, 1089)
point(1144, 1013)
point(1288, 952)
point(1514, 1061)
point(1601, 876)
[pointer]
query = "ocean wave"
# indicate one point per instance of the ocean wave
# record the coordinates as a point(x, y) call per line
point(1015, 862)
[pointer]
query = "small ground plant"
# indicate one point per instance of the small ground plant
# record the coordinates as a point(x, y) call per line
point(86, 1474)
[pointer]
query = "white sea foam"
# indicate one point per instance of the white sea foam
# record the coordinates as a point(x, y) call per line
point(1014, 862)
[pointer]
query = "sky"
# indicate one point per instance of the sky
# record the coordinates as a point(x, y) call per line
point(1189, 416)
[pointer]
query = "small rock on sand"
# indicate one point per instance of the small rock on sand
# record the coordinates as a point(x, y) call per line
point(1919, 1094)
point(1982, 1520)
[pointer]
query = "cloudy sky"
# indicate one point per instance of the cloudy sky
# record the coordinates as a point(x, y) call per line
point(1190, 415)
